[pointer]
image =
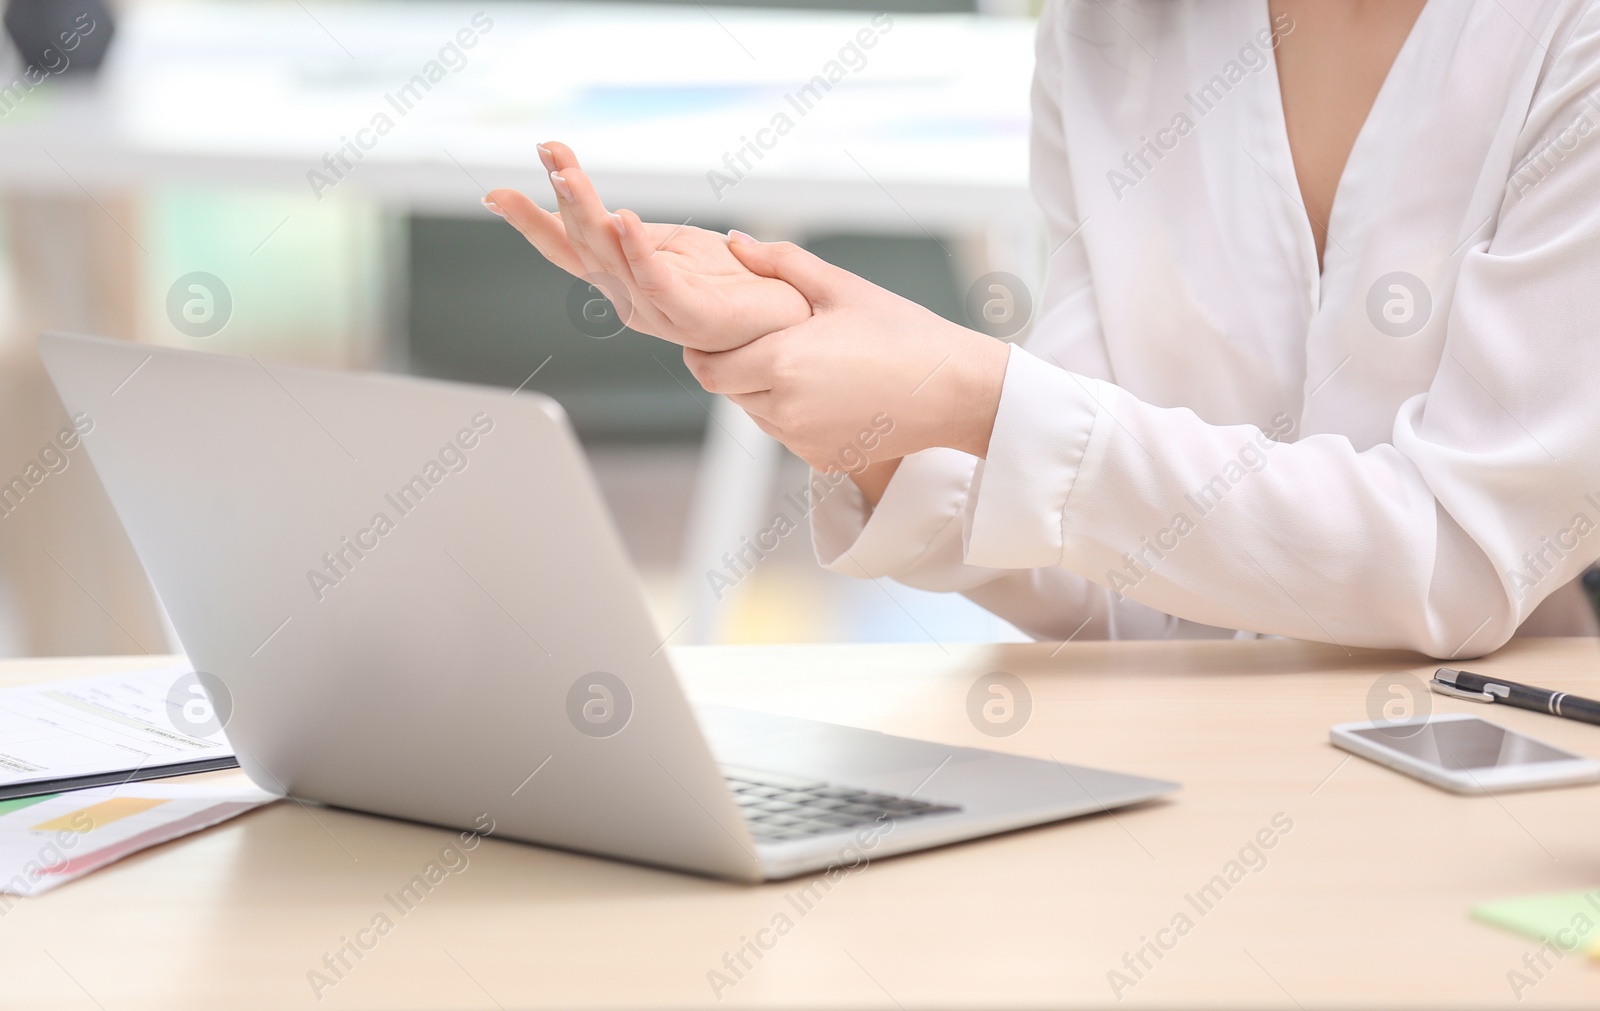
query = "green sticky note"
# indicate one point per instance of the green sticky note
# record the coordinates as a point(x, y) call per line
point(1569, 920)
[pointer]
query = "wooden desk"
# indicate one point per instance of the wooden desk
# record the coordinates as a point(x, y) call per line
point(1363, 902)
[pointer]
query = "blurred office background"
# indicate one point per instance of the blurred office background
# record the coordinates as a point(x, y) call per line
point(192, 150)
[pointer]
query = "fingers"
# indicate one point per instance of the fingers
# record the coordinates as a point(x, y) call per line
point(744, 370)
point(547, 232)
point(556, 156)
point(650, 272)
point(596, 236)
point(541, 228)
point(818, 280)
point(590, 227)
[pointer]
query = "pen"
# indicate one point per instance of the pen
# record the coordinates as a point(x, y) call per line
point(1463, 684)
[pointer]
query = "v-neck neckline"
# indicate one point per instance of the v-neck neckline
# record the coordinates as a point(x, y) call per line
point(1318, 266)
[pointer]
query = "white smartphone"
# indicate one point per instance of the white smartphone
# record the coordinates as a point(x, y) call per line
point(1464, 754)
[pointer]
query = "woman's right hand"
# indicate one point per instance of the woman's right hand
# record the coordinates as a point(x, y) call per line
point(675, 282)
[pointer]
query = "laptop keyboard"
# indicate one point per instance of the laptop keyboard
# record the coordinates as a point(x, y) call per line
point(781, 808)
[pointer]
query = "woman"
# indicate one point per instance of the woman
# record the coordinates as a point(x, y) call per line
point(1316, 356)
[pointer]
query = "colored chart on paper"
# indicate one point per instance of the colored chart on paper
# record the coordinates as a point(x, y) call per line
point(48, 840)
point(87, 819)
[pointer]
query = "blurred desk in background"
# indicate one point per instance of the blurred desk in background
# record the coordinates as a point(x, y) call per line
point(790, 123)
point(928, 133)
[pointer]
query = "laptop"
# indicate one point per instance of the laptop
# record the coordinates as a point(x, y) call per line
point(412, 602)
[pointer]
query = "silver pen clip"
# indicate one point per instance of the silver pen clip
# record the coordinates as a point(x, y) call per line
point(1446, 688)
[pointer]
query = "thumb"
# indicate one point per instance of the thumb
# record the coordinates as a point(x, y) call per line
point(819, 281)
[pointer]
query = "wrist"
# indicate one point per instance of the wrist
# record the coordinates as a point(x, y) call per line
point(873, 480)
point(974, 400)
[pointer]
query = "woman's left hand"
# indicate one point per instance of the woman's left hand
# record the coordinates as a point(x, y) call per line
point(670, 281)
point(866, 361)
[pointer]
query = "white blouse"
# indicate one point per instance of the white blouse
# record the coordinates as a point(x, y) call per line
point(1204, 433)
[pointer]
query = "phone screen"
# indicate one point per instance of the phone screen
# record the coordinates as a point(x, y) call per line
point(1464, 744)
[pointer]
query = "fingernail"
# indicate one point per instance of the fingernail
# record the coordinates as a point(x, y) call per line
point(562, 189)
point(740, 238)
point(547, 158)
point(622, 224)
point(491, 205)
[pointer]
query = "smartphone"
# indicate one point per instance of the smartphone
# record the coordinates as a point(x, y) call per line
point(1464, 754)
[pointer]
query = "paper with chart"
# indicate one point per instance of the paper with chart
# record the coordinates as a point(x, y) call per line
point(100, 730)
point(49, 840)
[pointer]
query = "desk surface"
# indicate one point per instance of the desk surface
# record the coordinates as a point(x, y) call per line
point(1363, 901)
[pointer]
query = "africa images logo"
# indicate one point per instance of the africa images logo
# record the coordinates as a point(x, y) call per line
point(452, 458)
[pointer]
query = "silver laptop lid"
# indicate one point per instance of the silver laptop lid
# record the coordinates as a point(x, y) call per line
point(413, 594)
